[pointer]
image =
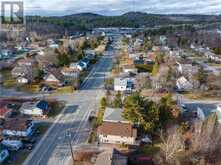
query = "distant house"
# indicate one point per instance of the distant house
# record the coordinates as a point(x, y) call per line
point(22, 80)
point(5, 112)
point(89, 52)
point(187, 69)
point(183, 84)
point(18, 127)
point(4, 154)
point(69, 72)
point(21, 71)
point(53, 76)
point(123, 84)
point(39, 108)
point(54, 46)
point(129, 69)
point(203, 112)
point(74, 65)
point(26, 62)
point(115, 129)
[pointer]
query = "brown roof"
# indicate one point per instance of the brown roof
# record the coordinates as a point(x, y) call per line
point(15, 124)
point(118, 129)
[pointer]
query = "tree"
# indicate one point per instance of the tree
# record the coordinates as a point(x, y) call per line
point(155, 68)
point(202, 76)
point(171, 145)
point(141, 111)
point(63, 59)
point(165, 106)
point(118, 101)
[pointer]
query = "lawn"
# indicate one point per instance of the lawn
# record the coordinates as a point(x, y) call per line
point(18, 158)
point(63, 90)
point(150, 150)
point(31, 88)
point(214, 64)
point(8, 80)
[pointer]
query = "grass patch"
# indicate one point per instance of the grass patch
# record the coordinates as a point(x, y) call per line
point(56, 108)
point(31, 88)
point(42, 128)
point(19, 157)
point(144, 67)
point(149, 149)
point(63, 90)
point(214, 64)
point(8, 80)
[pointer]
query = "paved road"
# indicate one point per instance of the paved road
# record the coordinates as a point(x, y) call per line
point(53, 149)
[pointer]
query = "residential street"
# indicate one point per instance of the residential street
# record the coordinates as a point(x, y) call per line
point(54, 146)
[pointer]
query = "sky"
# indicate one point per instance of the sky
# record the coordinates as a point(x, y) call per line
point(117, 7)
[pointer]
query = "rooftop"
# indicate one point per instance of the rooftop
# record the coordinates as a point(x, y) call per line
point(117, 129)
point(114, 115)
point(16, 124)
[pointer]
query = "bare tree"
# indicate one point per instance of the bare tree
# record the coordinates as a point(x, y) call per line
point(171, 145)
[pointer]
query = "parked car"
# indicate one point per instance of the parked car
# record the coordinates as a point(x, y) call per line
point(13, 145)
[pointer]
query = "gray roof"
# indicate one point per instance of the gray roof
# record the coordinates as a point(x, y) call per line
point(207, 109)
point(114, 115)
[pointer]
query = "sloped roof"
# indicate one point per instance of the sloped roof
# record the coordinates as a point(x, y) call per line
point(117, 129)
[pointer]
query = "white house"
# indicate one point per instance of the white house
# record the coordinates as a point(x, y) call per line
point(183, 84)
point(130, 69)
point(115, 129)
point(22, 80)
point(39, 108)
point(123, 84)
point(73, 65)
point(4, 154)
point(18, 127)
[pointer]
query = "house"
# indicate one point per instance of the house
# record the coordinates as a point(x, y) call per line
point(53, 76)
point(203, 112)
point(5, 113)
point(123, 84)
point(22, 71)
point(4, 154)
point(18, 127)
point(183, 84)
point(39, 108)
point(111, 157)
point(26, 62)
point(74, 65)
point(187, 69)
point(89, 52)
point(69, 72)
point(115, 129)
point(22, 80)
point(129, 69)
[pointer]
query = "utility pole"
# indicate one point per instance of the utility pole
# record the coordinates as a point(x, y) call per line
point(68, 134)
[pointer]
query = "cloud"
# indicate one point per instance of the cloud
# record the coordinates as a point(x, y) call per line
point(116, 7)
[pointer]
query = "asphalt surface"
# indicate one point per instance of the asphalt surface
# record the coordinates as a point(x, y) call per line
point(54, 148)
